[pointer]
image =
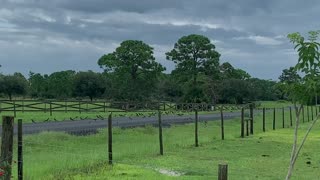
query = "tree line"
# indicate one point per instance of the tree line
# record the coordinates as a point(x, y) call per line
point(131, 73)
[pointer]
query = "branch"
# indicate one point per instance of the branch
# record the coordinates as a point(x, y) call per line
point(304, 139)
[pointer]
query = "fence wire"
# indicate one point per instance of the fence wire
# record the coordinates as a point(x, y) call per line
point(76, 145)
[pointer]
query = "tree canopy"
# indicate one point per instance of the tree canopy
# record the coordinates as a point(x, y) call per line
point(132, 69)
point(15, 84)
point(89, 84)
point(194, 54)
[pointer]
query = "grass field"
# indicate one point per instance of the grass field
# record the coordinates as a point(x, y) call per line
point(274, 104)
point(51, 155)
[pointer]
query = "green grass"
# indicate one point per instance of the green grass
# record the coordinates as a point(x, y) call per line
point(275, 104)
point(51, 155)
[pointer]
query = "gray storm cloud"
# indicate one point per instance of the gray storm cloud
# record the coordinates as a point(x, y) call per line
point(46, 36)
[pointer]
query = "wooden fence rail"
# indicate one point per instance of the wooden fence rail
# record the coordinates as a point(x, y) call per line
point(104, 106)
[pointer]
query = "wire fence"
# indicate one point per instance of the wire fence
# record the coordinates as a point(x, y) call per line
point(70, 148)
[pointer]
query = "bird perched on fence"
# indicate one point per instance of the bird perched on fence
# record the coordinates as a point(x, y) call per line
point(180, 114)
point(100, 117)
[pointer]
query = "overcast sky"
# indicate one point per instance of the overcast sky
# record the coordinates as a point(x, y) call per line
point(52, 35)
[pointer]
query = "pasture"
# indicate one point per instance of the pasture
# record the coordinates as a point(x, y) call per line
point(52, 155)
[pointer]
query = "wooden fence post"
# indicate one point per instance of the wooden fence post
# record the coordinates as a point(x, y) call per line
point(14, 108)
point(160, 132)
point(303, 114)
point(242, 122)
point(264, 119)
point(222, 125)
point(312, 113)
point(251, 119)
point(283, 117)
point(247, 127)
point(223, 172)
point(50, 109)
point(110, 138)
point(66, 106)
point(308, 115)
point(20, 150)
point(196, 129)
point(274, 119)
point(87, 106)
point(79, 107)
point(290, 116)
point(7, 145)
point(22, 106)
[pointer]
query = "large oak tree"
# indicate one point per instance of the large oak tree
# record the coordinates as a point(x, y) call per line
point(132, 69)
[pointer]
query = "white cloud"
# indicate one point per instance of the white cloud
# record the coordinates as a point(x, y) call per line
point(41, 16)
point(261, 40)
point(232, 52)
point(177, 22)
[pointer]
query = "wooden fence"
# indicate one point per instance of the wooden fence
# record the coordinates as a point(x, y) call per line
point(50, 106)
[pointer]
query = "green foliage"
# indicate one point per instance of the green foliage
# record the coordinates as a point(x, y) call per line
point(229, 72)
point(194, 54)
point(132, 69)
point(38, 85)
point(234, 90)
point(13, 85)
point(89, 84)
point(308, 63)
point(289, 76)
point(169, 89)
point(56, 85)
point(60, 84)
point(260, 89)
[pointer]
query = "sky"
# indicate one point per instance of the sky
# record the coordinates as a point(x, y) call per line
point(46, 36)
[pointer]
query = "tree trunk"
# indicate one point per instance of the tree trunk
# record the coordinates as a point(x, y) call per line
point(295, 150)
point(295, 142)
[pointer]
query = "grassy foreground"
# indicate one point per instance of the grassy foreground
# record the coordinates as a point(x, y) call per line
point(266, 155)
